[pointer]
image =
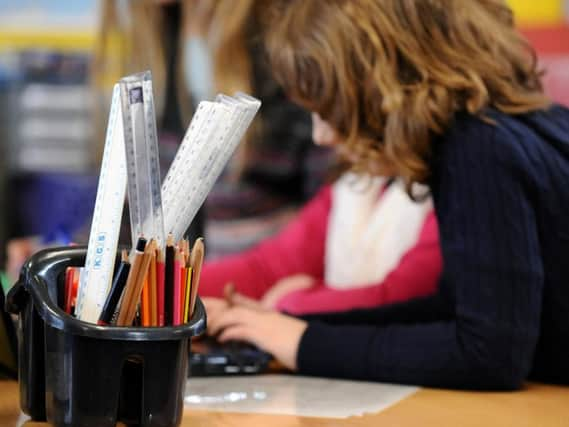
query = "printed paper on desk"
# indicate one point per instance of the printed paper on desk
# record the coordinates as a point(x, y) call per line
point(293, 395)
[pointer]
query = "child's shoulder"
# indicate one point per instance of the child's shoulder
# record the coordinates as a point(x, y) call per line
point(507, 138)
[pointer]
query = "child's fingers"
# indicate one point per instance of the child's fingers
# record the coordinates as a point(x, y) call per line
point(237, 333)
point(233, 316)
point(284, 287)
point(243, 301)
point(212, 304)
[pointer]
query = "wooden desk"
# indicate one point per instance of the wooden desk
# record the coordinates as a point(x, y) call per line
point(537, 405)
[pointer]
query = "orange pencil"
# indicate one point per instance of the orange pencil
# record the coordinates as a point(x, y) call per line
point(160, 283)
point(153, 291)
point(145, 302)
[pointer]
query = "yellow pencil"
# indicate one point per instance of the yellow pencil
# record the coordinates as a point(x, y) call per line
point(187, 295)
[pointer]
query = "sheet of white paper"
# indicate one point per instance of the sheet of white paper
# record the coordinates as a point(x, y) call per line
point(292, 395)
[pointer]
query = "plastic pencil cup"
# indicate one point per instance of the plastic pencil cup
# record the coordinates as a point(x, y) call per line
point(78, 374)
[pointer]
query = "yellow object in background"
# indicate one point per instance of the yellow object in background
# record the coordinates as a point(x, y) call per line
point(538, 13)
point(63, 41)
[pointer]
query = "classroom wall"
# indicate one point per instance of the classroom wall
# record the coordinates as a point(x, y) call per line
point(546, 25)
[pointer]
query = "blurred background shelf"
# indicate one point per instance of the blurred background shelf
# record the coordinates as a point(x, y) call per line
point(48, 178)
point(48, 146)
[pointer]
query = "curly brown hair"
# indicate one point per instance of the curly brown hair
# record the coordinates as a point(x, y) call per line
point(390, 74)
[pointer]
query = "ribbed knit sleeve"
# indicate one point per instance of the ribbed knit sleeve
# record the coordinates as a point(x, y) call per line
point(492, 267)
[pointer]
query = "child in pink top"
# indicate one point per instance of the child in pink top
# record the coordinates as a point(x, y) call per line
point(296, 270)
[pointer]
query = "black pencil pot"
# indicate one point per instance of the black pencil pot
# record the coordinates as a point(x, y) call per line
point(78, 374)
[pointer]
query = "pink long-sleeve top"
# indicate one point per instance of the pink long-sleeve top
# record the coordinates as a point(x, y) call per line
point(299, 249)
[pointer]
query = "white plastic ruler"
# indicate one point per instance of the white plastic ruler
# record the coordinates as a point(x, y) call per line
point(130, 158)
point(143, 165)
point(213, 134)
point(105, 227)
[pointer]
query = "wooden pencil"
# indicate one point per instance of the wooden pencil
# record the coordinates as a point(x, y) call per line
point(127, 313)
point(145, 302)
point(196, 262)
point(150, 249)
point(132, 276)
point(160, 272)
point(186, 252)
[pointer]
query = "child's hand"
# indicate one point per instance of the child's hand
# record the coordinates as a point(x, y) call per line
point(271, 331)
point(284, 287)
point(215, 307)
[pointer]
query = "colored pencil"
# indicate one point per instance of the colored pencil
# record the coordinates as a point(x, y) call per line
point(145, 302)
point(188, 294)
point(178, 263)
point(169, 280)
point(196, 262)
point(130, 297)
point(116, 291)
point(153, 291)
point(160, 286)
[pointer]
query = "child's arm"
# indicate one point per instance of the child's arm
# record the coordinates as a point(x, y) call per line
point(416, 275)
point(493, 277)
point(298, 249)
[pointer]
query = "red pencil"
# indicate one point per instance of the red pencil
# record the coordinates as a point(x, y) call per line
point(69, 273)
point(178, 265)
point(75, 287)
point(183, 279)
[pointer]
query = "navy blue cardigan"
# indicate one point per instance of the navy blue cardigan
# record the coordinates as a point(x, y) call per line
point(501, 315)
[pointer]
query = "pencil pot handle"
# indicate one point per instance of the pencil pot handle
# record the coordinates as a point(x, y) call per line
point(31, 368)
point(79, 374)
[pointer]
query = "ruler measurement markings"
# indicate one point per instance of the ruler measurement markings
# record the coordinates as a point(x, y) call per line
point(198, 148)
point(174, 179)
point(103, 238)
point(204, 145)
point(143, 162)
point(195, 188)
